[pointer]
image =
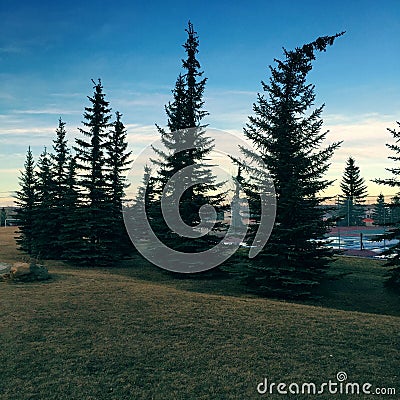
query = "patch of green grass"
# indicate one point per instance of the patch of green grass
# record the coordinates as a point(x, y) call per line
point(353, 284)
point(139, 333)
point(361, 287)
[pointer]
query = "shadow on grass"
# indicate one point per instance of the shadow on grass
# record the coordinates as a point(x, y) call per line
point(359, 288)
point(353, 284)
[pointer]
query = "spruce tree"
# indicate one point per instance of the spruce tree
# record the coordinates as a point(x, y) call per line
point(146, 192)
point(94, 217)
point(380, 214)
point(394, 210)
point(186, 145)
point(26, 200)
point(43, 229)
point(286, 131)
point(117, 164)
point(60, 160)
point(354, 192)
point(394, 232)
point(70, 235)
point(145, 203)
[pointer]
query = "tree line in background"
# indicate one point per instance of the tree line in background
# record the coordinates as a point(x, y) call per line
point(351, 203)
point(70, 203)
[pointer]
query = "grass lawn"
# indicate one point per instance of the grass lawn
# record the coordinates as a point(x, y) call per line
point(139, 333)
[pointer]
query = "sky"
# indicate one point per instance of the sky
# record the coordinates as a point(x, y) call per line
point(50, 51)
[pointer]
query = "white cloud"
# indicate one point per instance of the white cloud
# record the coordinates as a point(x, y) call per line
point(11, 49)
point(69, 95)
point(364, 138)
point(141, 135)
point(145, 100)
point(46, 111)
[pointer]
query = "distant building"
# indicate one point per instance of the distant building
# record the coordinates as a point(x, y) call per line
point(368, 221)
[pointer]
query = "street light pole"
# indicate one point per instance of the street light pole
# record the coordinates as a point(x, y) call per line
point(348, 211)
point(384, 227)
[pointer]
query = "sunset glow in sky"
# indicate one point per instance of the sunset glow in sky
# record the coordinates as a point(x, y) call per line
point(50, 51)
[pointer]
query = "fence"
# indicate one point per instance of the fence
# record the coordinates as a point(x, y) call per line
point(361, 226)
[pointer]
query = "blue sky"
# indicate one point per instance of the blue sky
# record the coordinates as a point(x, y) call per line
point(50, 51)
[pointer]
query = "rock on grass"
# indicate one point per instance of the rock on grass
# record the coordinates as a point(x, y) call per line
point(25, 272)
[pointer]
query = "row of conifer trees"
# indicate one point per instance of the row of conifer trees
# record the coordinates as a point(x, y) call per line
point(70, 205)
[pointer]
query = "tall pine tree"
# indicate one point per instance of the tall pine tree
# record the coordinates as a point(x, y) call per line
point(287, 134)
point(354, 192)
point(380, 214)
point(43, 229)
point(26, 200)
point(93, 215)
point(56, 210)
point(117, 164)
point(186, 145)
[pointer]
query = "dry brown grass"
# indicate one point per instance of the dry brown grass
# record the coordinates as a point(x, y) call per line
point(8, 250)
point(100, 334)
